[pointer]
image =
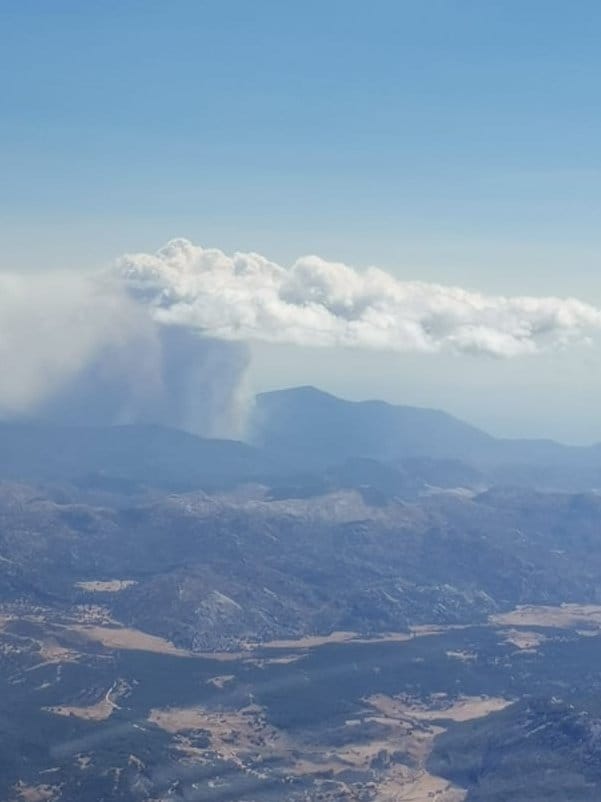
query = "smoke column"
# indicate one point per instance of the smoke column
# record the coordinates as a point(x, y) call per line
point(164, 337)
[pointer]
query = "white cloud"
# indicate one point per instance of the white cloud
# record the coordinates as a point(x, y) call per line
point(319, 303)
point(163, 337)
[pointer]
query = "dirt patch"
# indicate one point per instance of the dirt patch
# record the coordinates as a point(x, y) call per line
point(221, 681)
point(395, 759)
point(314, 641)
point(309, 641)
point(106, 586)
point(421, 786)
point(92, 614)
point(126, 638)
point(523, 639)
point(52, 652)
point(233, 734)
point(99, 711)
point(183, 745)
point(36, 793)
point(566, 616)
point(284, 660)
point(412, 732)
point(465, 657)
point(441, 707)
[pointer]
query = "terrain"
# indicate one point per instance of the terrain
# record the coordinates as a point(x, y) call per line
point(319, 429)
point(302, 439)
point(360, 616)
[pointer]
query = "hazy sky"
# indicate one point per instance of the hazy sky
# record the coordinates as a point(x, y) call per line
point(455, 142)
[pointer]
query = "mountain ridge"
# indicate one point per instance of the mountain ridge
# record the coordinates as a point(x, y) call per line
point(275, 413)
point(299, 436)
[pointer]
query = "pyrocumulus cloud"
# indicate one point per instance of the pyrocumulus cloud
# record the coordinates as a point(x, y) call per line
point(318, 303)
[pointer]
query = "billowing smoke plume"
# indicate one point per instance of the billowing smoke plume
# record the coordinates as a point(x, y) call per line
point(52, 326)
point(176, 378)
point(163, 338)
point(319, 303)
point(80, 350)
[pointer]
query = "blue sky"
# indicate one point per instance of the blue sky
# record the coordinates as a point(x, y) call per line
point(452, 141)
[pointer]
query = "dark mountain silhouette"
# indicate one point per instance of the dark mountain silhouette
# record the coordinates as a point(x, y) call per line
point(315, 429)
point(301, 438)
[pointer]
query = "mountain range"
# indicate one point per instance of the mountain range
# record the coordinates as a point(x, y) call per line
point(362, 602)
point(300, 437)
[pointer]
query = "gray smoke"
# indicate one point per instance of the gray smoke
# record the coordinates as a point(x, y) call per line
point(177, 379)
point(82, 351)
point(163, 338)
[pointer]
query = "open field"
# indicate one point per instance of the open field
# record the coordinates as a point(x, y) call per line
point(327, 717)
point(127, 638)
point(565, 616)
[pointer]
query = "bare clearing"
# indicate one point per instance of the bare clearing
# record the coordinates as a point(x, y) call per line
point(106, 586)
point(407, 726)
point(412, 731)
point(462, 709)
point(464, 656)
point(127, 638)
point(233, 734)
point(99, 711)
point(421, 787)
point(342, 636)
point(284, 660)
point(310, 641)
point(395, 781)
point(523, 639)
point(52, 652)
point(566, 616)
point(94, 614)
point(220, 681)
point(36, 793)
